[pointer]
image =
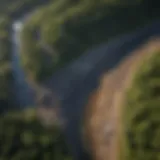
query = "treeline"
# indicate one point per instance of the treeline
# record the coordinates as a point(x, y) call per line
point(142, 113)
point(62, 30)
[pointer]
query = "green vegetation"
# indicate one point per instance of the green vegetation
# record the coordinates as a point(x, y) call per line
point(5, 66)
point(55, 34)
point(9, 10)
point(15, 8)
point(142, 120)
point(62, 30)
point(23, 138)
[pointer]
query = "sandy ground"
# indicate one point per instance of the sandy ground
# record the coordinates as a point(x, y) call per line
point(103, 114)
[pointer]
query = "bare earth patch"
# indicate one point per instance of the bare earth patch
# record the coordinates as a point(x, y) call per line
point(103, 125)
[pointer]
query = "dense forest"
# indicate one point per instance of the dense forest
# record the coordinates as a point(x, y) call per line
point(141, 116)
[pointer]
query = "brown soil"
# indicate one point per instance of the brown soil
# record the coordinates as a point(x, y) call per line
point(103, 114)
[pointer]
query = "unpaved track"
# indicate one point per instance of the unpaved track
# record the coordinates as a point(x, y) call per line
point(104, 116)
point(73, 84)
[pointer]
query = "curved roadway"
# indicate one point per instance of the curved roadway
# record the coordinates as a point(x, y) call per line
point(74, 83)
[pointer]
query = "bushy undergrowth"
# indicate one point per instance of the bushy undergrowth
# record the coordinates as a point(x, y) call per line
point(142, 113)
point(22, 137)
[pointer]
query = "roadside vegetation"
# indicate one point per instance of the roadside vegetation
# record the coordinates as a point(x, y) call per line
point(10, 10)
point(22, 137)
point(141, 116)
point(58, 31)
point(5, 64)
point(64, 29)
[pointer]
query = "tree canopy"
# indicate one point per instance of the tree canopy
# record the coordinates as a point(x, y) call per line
point(67, 28)
point(141, 116)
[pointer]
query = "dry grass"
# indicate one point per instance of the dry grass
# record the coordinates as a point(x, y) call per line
point(104, 130)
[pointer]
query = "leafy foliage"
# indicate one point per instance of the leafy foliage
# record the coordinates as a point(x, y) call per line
point(5, 66)
point(68, 27)
point(58, 32)
point(142, 112)
point(23, 137)
point(15, 8)
point(9, 9)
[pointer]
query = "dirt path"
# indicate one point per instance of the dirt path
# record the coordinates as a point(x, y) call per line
point(103, 122)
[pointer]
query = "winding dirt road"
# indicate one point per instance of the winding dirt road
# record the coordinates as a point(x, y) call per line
point(73, 84)
point(103, 119)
